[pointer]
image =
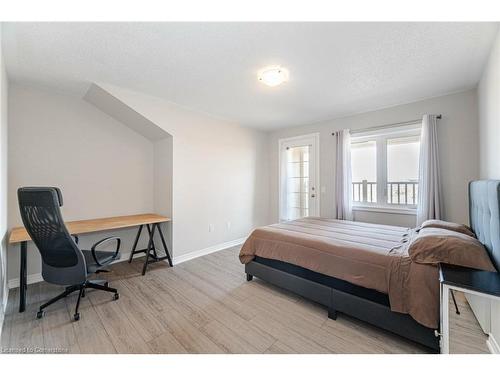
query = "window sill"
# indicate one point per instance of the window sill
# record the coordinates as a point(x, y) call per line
point(387, 210)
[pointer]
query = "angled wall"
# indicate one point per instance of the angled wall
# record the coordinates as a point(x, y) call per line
point(161, 145)
point(162, 181)
point(116, 152)
point(219, 174)
point(102, 167)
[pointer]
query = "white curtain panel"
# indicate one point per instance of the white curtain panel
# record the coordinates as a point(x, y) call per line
point(429, 179)
point(343, 176)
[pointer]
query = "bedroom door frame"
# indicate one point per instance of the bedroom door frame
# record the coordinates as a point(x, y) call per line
point(312, 140)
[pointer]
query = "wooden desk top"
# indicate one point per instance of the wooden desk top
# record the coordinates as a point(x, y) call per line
point(20, 234)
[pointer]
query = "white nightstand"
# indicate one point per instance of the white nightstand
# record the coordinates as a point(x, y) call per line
point(482, 283)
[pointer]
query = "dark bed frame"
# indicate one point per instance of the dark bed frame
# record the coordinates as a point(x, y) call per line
point(367, 304)
point(341, 296)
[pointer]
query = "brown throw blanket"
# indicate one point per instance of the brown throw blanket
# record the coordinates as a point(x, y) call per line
point(369, 255)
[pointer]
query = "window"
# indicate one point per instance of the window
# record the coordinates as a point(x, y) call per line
point(364, 171)
point(385, 167)
point(402, 170)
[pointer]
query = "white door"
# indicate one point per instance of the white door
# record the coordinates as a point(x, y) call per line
point(299, 177)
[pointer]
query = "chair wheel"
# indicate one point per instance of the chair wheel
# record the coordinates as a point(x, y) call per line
point(40, 314)
point(76, 316)
point(116, 296)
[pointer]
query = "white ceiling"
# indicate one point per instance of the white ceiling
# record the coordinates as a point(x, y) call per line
point(336, 69)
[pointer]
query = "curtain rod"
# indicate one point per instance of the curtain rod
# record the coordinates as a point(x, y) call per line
point(389, 125)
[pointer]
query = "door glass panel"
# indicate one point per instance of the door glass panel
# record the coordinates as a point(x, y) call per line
point(297, 182)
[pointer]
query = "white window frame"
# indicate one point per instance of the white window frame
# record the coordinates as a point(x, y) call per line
point(380, 136)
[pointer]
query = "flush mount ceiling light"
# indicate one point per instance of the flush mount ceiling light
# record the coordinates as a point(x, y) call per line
point(273, 76)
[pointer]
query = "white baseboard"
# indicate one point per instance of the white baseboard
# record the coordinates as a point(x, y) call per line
point(37, 277)
point(31, 279)
point(481, 307)
point(2, 318)
point(207, 250)
point(3, 309)
point(493, 345)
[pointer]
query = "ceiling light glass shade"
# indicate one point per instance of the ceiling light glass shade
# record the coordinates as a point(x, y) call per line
point(273, 76)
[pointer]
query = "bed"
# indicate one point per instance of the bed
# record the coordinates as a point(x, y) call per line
point(363, 270)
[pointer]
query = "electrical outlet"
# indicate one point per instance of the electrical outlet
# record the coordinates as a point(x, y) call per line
point(210, 227)
point(228, 225)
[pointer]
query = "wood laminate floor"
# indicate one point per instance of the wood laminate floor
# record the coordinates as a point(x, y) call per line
point(203, 306)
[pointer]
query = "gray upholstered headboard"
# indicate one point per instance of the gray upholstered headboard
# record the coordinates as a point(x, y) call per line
point(484, 215)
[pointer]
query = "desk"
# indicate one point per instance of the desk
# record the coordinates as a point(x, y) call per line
point(151, 221)
point(467, 280)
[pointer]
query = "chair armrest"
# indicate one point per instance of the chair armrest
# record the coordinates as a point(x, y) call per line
point(107, 239)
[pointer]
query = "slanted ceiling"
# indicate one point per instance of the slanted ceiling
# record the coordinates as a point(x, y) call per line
point(114, 107)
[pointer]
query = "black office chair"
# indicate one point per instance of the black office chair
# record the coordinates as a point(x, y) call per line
point(63, 262)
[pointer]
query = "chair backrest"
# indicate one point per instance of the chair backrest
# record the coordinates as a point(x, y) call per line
point(43, 220)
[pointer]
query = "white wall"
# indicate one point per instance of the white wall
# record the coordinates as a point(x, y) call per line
point(220, 173)
point(489, 115)
point(3, 185)
point(162, 186)
point(458, 141)
point(102, 167)
point(489, 145)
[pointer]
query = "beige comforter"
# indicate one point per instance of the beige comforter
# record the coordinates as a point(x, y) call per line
point(369, 255)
